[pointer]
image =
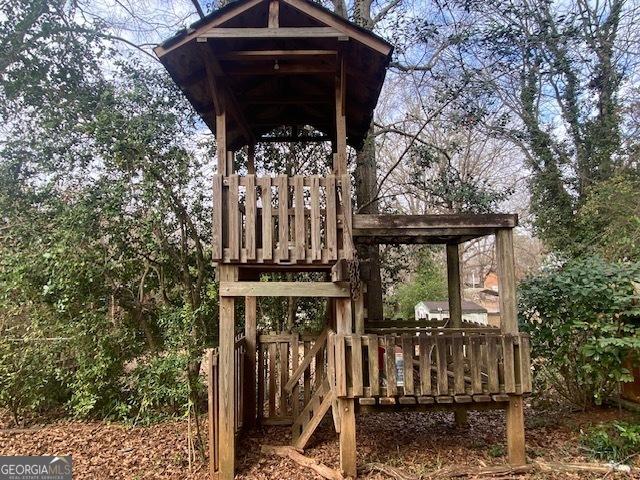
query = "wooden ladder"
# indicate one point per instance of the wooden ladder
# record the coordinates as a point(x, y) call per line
point(312, 414)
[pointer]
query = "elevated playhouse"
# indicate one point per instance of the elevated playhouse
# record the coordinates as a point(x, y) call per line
point(256, 67)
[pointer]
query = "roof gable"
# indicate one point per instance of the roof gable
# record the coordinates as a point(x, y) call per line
point(279, 69)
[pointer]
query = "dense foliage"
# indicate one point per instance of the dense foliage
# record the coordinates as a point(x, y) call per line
point(584, 321)
point(615, 442)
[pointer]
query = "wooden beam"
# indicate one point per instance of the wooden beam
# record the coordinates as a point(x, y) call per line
point(241, 7)
point(288, 69)
point(284, 289)
point(489, 221)
point(286, 32)
point(274, 14)
point(249, 55)
point(344, 27)
point(290, 138)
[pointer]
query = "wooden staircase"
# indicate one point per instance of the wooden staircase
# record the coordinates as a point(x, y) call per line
point(312, 414)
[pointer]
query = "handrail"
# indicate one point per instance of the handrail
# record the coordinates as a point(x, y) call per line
point(295, 376)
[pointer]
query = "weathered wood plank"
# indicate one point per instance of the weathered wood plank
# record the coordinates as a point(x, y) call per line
point(283, 217)
point(300, 232)
point(216, 223)
point(458, 364)
point(493, 381)
point(441, 364)
point(316, 246)
point(250, 221)
point(390, 364)
point(356, 365)
point(475, 359)
point(508, 362)
point(284, 289)
point(374, 367)
point(426, 347)
point(233, 215)
point(408, 351)
point(282, 32)
point(331, 226)
point(267, 218)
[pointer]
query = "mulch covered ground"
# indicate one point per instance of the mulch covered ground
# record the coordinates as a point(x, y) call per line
point(417, 443)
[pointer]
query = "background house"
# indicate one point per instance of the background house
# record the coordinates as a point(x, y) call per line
point(471, 311)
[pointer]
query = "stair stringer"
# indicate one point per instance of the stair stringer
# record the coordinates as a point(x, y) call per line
point(312, 414)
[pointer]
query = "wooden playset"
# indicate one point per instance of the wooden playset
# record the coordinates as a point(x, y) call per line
point(255, 67)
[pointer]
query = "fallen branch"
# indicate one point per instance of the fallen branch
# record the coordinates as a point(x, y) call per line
point(507, 471)
point(297, 456)
point(584, 467)
point(392, 472)
point(493, 472)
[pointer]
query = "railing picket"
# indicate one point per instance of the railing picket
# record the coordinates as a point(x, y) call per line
point(272, 379)
point(458, 364)
point(475, 359)
point(284, 377)
point(331, 219)
point(356, 365)
point(216, 227)
point(426, 346)
point(493, 381)
point(267, 218)
point(525, 364)
point(250, 222)
point(260, 376)
point(390, 354)
point(283, 217)
point(508, 362)
point(300, 233)
point(374, 366)
point(408, 351)
point(233, 214)
point(316, 254)
point(441, 361)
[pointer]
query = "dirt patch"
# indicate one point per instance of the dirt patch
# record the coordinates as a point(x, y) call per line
point(419, 443)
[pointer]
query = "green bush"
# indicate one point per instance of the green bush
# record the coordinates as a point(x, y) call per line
point(156, 387)
point(31, 377)
point(615, 442)
point(584, 320)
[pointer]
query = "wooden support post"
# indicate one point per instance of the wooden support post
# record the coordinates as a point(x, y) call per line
point(340, 158)
point(251, 159)
point(221, 138)
point(226, 378)
point(455, 308)
point(453, 283)
point(346, 406)
point(509, 325)
point(250, 332)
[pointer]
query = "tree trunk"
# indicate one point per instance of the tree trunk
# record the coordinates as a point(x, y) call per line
point(366, 181)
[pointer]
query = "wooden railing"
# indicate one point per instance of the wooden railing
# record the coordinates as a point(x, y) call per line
point(283, 388)
point(440, 366)
point(280, 219)
point(213, 373)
